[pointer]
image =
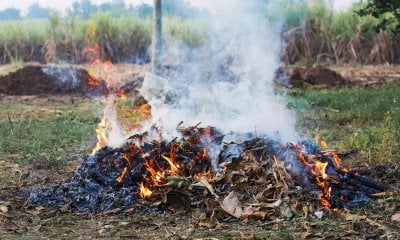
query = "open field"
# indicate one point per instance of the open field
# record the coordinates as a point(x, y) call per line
point(44, 138)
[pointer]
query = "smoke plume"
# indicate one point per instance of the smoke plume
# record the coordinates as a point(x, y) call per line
point(228, 82)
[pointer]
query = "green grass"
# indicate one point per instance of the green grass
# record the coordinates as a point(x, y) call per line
point(366, 120)
point(57, 137)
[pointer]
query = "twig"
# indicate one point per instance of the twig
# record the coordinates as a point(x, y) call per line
point(340, 153)
point(11, 123)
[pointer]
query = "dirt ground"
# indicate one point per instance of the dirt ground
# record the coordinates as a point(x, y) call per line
point(34, 79)
point(336, 76)
point(21, 221)
point(369, 76)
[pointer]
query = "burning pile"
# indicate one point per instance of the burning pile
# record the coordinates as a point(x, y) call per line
point(246, 176)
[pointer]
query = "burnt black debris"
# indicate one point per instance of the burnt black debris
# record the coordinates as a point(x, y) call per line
point(95, 188)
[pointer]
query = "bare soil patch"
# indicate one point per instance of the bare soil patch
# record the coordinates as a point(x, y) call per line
point(369, 75)
point(36, 80)
point(336, 76)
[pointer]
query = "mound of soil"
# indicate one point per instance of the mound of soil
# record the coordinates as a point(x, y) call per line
point(316, 76)
point(37, 80)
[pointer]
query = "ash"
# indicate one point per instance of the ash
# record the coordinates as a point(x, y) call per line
point(94, 187)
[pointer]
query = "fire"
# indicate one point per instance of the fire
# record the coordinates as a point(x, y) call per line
point(318, 169)
point(205, 152)
point(171, 161)
point(121, 177)
point(101, 135)
point(157, 176)
point(324, 201)
point(162, 167)
point(93, 54)
point(121, 95)
point(173, 166)
point(145, 110)
point(113, 113)
point(144, 192)
point(324, 145)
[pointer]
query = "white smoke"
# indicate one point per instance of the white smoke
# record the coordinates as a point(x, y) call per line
point(229, 82)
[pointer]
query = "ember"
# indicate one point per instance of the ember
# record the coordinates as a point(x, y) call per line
point(153, 170)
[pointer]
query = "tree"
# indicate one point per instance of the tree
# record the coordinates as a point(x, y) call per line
point(388, 11)
point(82, 9)
point(105, 7)
point(36, 11)
point(157, 37)
point(180, 8)
point(118, 8)
point(144, 10)
point(10, 14)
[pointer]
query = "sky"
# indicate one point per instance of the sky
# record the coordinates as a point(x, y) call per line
point(62, 5)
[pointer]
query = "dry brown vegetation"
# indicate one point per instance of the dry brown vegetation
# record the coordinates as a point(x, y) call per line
point(311, 44)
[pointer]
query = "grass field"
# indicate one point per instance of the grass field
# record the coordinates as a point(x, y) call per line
point(362, 119)
point(43, 139)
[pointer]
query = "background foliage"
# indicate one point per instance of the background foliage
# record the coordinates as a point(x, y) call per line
point(312, 31)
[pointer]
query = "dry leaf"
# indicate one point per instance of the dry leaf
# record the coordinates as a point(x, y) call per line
point(40, 208)
point(105, 230)
point(347, 216)
point(255, 213)
point(231, 205)
point(208, 238)
point(319, 214)
point(124, 223)
point(175, 181)
point(275, 204)
point(302, 235)
point(285, 210)
point(210, 222)
point(247, 236)
point(3, 209)
point(395, 217)
point(206, 184)
point(241, 186)
point(66, 207)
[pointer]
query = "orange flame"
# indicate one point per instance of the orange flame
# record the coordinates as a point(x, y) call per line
point(157, 175)
point(144, 192)
point(319, 169)
point(338, 160)
point(324, 145)
point(173, 166)
point(121, 177)
point(101, 135)
point(205, 152)
point(171, 161)
point(324, 201)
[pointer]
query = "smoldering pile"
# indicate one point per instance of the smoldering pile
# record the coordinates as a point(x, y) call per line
point(243, 175)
